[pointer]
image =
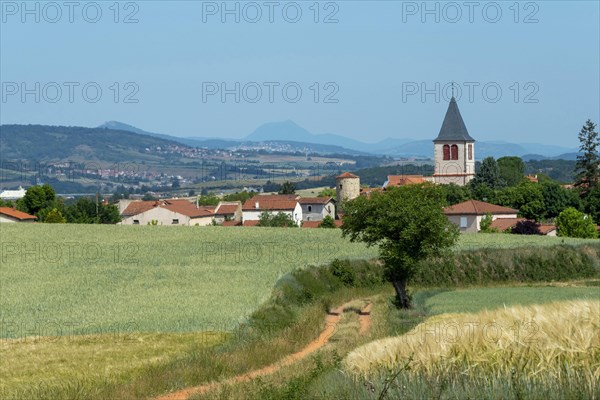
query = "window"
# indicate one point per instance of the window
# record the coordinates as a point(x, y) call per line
point(470, 152)
point(340, 186)
point(454, 151)
point(175, 222)
point(446, 152)
point(136, 221)
point(309, 208)
point(463, 222)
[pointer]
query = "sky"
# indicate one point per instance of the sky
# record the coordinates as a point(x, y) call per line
point(522, 71)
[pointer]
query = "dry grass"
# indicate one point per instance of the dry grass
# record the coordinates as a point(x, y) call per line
point(545, 342)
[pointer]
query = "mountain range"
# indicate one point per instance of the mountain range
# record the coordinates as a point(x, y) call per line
point(290, 133)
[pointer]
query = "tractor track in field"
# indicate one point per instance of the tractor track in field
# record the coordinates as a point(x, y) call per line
point(331, 321)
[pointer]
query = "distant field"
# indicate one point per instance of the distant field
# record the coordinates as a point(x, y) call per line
point(506, 241)
point(84, 279)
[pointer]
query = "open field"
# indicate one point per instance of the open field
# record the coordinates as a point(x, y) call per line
point(83, 279)
point(88, 279)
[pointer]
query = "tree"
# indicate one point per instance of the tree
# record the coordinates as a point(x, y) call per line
point(55, 217)
point(109, 214)
point(588, 163)
point(526, 197)
point(574, 223)
point(486, 221)
point(279, 220)
point(455, 194)
point(208, 200)
point(592, 204)
point(36, 199)
point(327, 222)
point(557, 199)
point(511, 170)
point(526, 227)
point(327, 192)
point(287, 188)
point(488, 174)
point(408, 225)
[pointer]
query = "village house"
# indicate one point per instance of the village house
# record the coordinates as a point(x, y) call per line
point(273, 204)
point(166, 212)
point(317, 208)
point(228, 211)
point(468, 215)
point(10, 215)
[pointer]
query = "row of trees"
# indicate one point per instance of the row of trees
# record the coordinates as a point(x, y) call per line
point(42, 202)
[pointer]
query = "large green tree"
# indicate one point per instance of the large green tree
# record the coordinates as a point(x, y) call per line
point(36, 199)
point(488, 174)
point(526, 197)
point(279, 220)
point(511, 170)
point(588, 162)
point(408, 225)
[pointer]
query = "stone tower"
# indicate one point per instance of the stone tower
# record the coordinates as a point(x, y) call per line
point(347, 187)
point(454, 150)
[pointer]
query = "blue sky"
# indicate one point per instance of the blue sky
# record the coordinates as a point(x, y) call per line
point(370, 67)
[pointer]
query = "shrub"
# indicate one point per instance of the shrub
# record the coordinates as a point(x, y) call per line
point(573, 223)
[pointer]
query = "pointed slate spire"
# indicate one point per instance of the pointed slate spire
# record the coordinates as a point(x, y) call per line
point(453, 127)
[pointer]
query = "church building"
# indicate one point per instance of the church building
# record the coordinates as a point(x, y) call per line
point(454, 150)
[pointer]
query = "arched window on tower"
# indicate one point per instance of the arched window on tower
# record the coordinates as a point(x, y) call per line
point(446, 152)
point(470, 152)
point(454, 152)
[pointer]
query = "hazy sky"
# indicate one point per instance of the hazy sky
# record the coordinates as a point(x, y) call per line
point(366, 69)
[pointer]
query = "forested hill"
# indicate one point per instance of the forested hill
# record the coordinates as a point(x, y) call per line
point(56, 143)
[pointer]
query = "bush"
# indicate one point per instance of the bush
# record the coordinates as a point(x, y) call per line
point(487, 266)
point(573, 223)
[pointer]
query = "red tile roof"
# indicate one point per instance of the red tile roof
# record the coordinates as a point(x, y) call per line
point(275, 202)
point(20, 215)
point(180, 206)
point(251, 223)
point(532, 178)
point(346, 175)
point(546, 229)
point(226, 209)
point(401, 180)
point(314, 200)
point(475, 207)
point(503, 224)
point(138, 207)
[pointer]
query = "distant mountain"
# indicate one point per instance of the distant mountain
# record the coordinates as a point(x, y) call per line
point(298, 138)
point(290, 131)
point(41, 143)
point(538, 157)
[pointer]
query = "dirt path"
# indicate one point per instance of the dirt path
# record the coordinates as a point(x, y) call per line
point(331, 321)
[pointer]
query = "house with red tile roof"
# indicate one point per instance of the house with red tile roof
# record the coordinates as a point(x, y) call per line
point(468, 215)
point(167, 212)
point(317, 208)
point(228, 211)
point(10, 215)
point(288, 204)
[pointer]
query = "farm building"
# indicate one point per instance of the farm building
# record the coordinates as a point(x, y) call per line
point(468, 215)
point(10, 215)
point(316, 208)
point(13, 194)
point(274, 204)
point(166, 212)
